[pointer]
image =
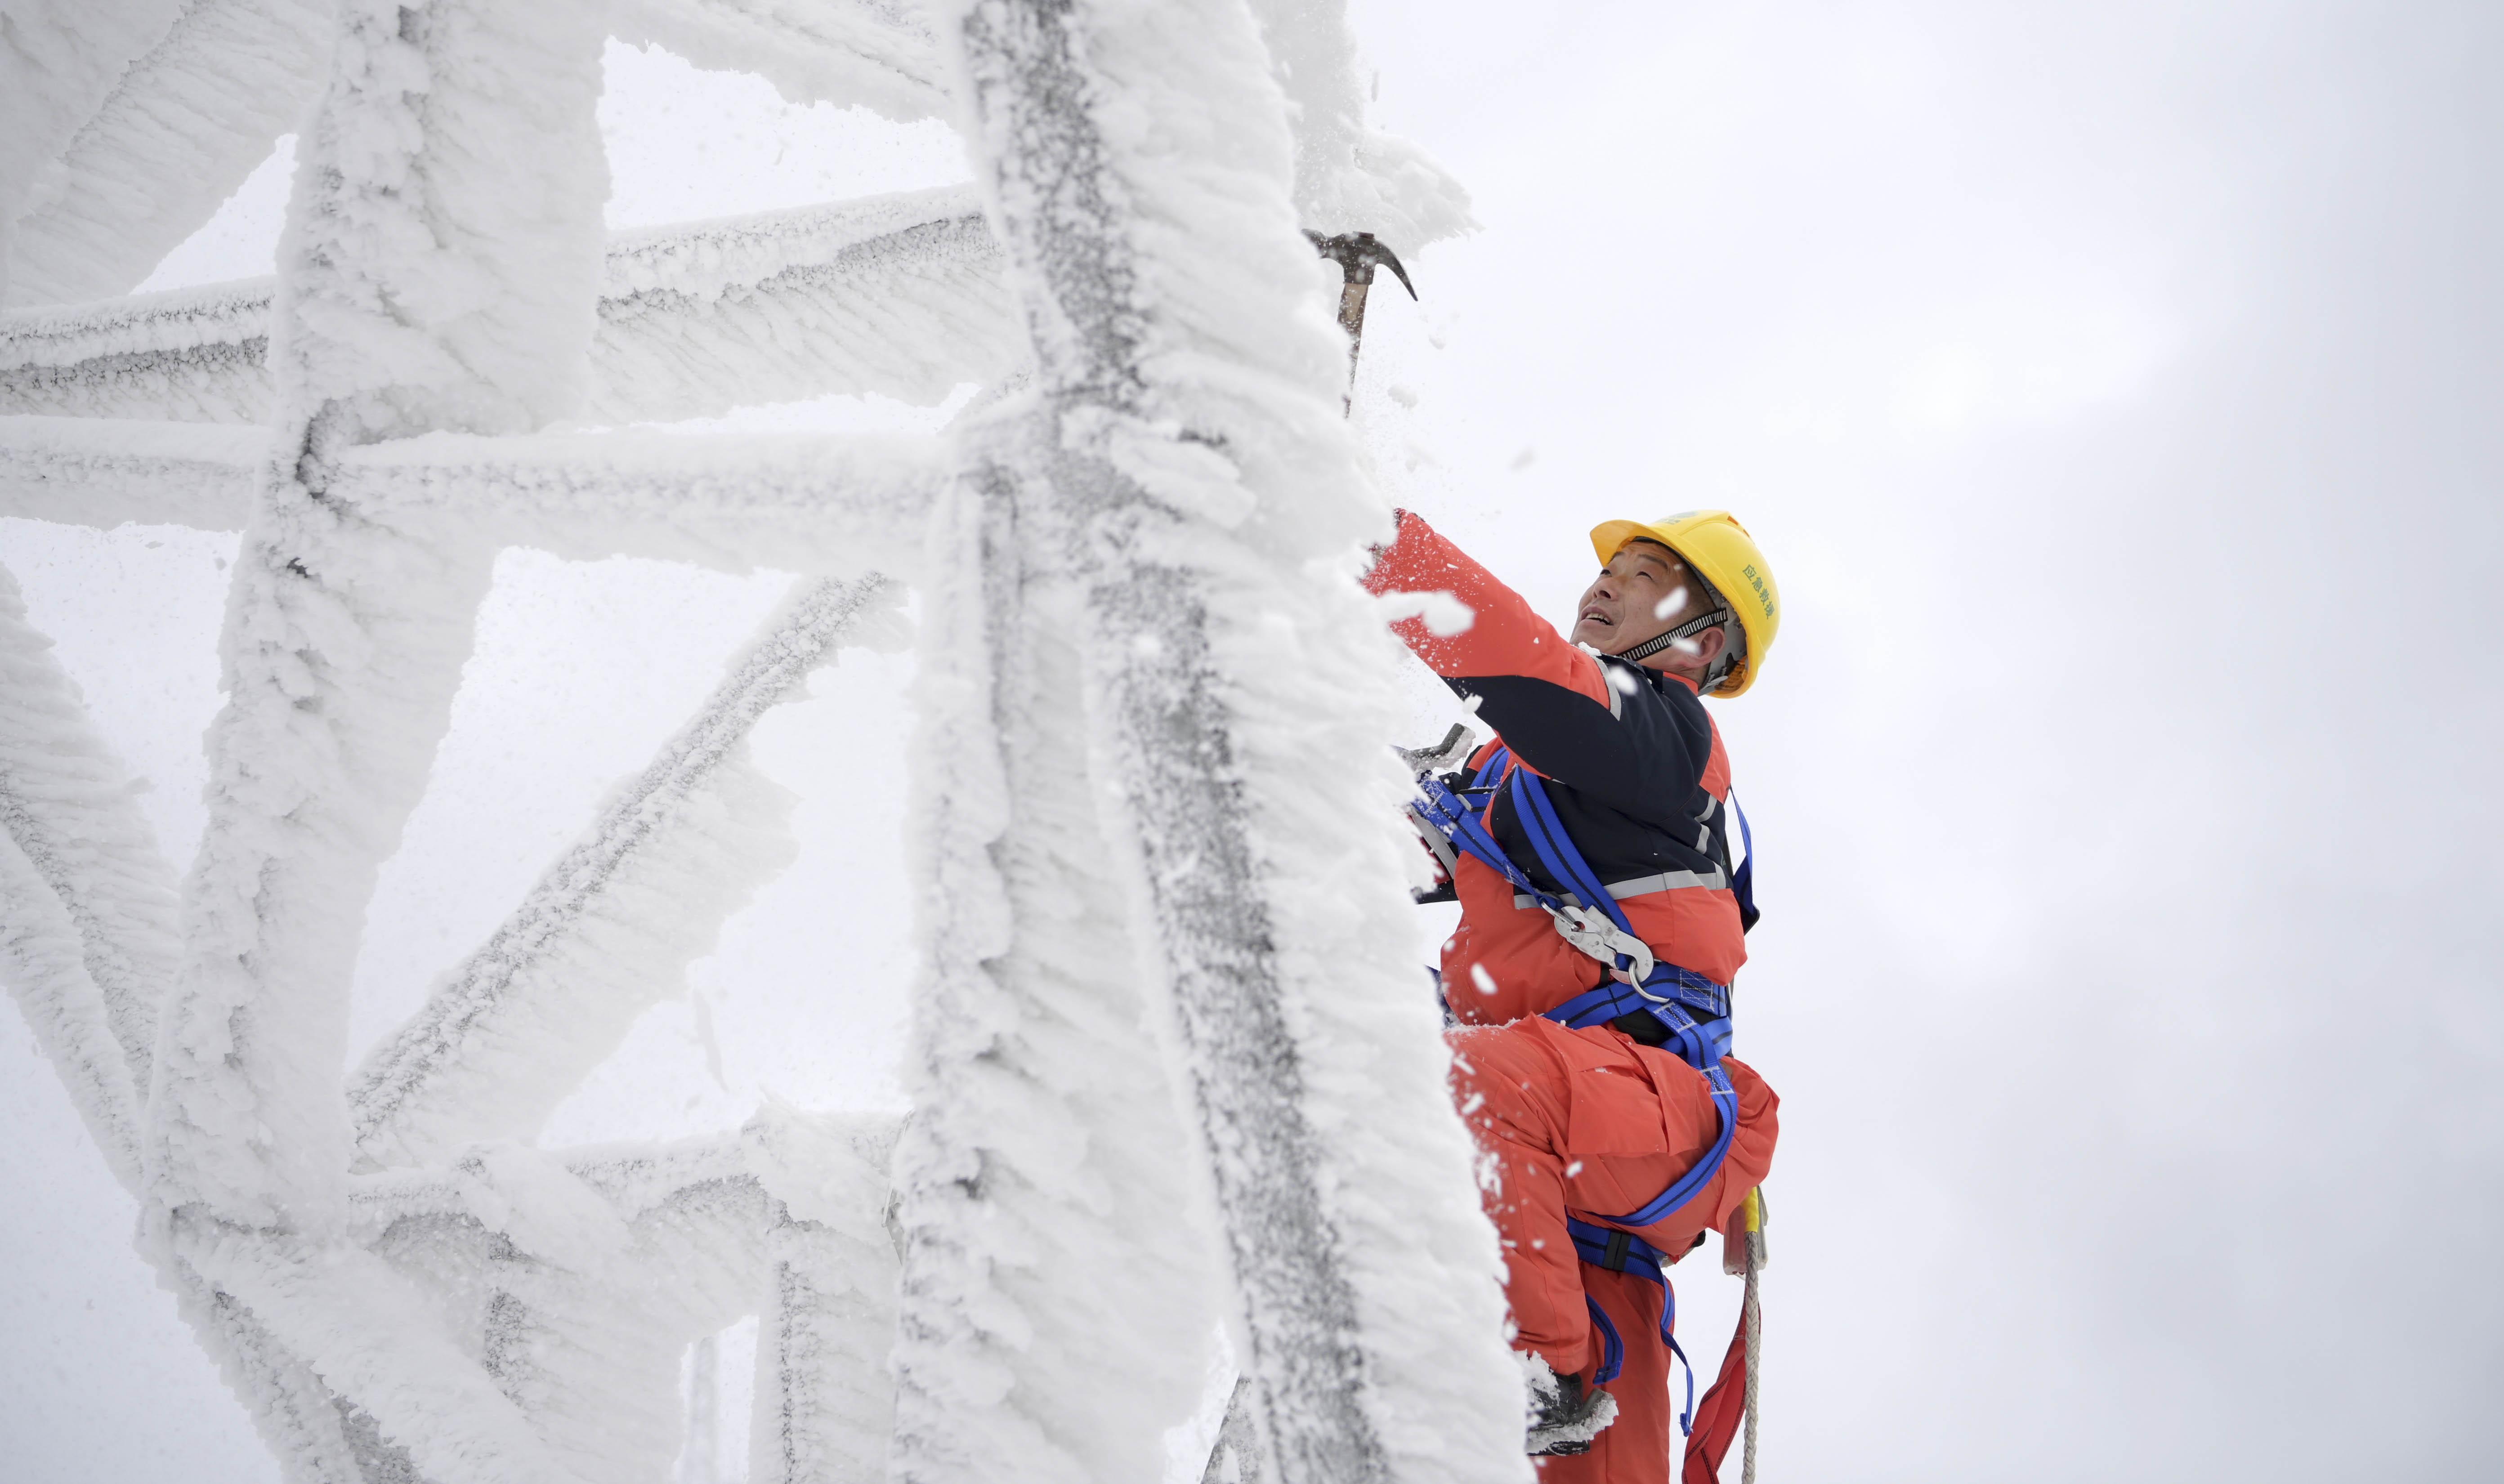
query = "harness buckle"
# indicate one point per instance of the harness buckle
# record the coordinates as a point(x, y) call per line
point(1589, 930)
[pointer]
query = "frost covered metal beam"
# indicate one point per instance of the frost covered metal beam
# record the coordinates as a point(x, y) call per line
point(604, 1263)
point(582, 1279)
point(610, 928)
point(88, 903)
point(1035, 72)
point(58, 60)
point(103, 472)
point(842, 506)
point(877, 54)
point(1186, 503)
point(440, 279)
point(819, 503)
point(1060, 1273)
point(897, 295)
point(188, 356)
point(177, 132)
point(327, 1440)
point(585, 1273)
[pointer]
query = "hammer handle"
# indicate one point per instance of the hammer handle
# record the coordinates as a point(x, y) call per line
point(1351, 309)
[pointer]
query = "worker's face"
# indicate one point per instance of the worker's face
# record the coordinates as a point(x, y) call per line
point(1641, 594)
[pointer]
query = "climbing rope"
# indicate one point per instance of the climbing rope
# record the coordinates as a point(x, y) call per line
point(1756, 1342)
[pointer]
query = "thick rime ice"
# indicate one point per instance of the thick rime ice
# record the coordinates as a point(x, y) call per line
point(102, 472)
point(1058, 1274)
point(188, 356)
point(1172, 1074)
point(181, 129)
point(1348, 177)
point(613, 925)
point(898, 293)
point(58, 62)
point(1183, 473)
point(842, 507)
point(91, 935)
point(879, 54)
point(432, 275)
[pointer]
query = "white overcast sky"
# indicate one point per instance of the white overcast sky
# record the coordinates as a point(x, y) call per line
point(2115, 389)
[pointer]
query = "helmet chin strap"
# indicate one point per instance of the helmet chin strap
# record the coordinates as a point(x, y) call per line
point(1693, 625)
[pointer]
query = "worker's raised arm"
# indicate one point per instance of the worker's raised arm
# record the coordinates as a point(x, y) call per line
point(1553, 703)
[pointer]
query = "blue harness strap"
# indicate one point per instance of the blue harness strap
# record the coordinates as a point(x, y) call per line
point(1624, 1252)
point(1451, 814)
point(1665, 994)
point(1612, 1350)
point(1672, 997)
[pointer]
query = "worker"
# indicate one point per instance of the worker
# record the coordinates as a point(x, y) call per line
point(1606, 768)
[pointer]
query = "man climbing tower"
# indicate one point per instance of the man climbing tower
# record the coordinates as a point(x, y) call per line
point(1590, 847)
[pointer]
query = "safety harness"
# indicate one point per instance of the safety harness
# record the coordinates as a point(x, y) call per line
point(1687, 1013)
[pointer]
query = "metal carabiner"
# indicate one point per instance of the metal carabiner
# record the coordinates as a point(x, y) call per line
point(1589, 930)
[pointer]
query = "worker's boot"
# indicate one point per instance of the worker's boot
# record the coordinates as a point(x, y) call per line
point(1564, 1415)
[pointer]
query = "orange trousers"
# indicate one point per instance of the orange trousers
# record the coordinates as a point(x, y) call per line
point(1592, 1120)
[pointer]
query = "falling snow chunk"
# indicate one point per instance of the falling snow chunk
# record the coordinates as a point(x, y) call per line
point(1443, 614)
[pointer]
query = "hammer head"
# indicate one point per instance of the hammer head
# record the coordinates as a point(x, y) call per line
point(1357, 254)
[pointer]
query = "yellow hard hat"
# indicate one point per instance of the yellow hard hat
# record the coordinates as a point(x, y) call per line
point(1721, 550)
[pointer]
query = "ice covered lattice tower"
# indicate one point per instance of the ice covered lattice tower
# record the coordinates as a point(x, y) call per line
point(1171, 1067)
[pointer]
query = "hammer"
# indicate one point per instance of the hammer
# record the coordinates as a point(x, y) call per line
point(1357, 254)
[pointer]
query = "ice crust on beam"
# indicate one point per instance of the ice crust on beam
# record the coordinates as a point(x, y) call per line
point(898, 295)
point(877, 54)
point(112, 168)
point(43, 966)
point(87, 904)
point(315, 1435)
point(578, 1277)
point(1350, 177)
point(836, 506)
point(58, 62)
point(843, 504)
point(706, 259)
point(436, 276)
point(1058, 1282)
point(1205, 494)
point(376, 1342)
point(544, 1267)
point(181, 129)
point(613, 925)
point(188, 355)
point(103, 472)
point(826, 1403)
